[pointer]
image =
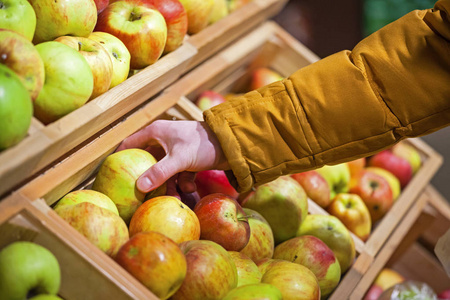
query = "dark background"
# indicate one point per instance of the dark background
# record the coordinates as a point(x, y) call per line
point(330, 26)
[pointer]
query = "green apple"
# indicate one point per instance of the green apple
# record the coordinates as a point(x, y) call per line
point(219, 11)
point(68, 82)
point(16, 109)
point(314, 254)
point(247, 270)
point(198, 13)
point(258, 291)
point(28, 267)
point(337, 176)
point(283, 203)
point(333, 233)
point(119, 54)
point(20, 55)
point(58, 18)
point(46, 297)
point(117, 177)
point(18, 16)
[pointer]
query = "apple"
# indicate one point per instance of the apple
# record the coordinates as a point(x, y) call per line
point(20, 55)
point(338, 178)
point(409, 153)
point(313, 253)
point(236, 4)
point(261, 242)
point(208, 99)
point(247, 270)
point(98, 59)
point(16, 109)
point(315, 186)
point(444, 295)
point(375, 191)
point(117, 177)
point(18, 16)
point(222, 220)
point(219, 11)
point(214, 181)
point(68, 82)
point(388, 278)
point(373, 293)
point(28, 267)
point(211, 272)
point(260, 291)
point(198, 14)
point(393, 181)
point(156, 261)
point(166, 215)
point(45, 297)
point(58, 18)
point(398, 166)
point(353, 213)
point(142, 29)
point(100, 224)
point(283, 203)
point(356, 165)
point(101, 5)
point(294, 281)
point(333, 233)
point(263, 76)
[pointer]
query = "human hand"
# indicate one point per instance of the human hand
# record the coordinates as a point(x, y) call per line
point(189, 147)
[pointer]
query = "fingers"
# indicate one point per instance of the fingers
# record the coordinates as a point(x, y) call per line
point(186, 182)
point(141, 139)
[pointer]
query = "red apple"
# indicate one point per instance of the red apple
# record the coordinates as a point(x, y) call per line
point(98, 59)
point(444, 295)
point(222, 220)
point(409, 153)
point(141, 28)
point(208, 99)
point(315, 186)
point(214, 181)
point(398, 166)
point(262, 77)
point(101, 5)
point(314, 254)
point(261, 243)
point(211, 272)
point(247, 270)
point(375, 191)
point(373, 293)
point(20, 55)
point(156, 261)
point(166, 215)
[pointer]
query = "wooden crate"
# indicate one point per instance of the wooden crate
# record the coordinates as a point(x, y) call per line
point(47, 144)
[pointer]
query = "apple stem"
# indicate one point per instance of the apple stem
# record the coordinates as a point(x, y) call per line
point(79, 46)
point(134, 17)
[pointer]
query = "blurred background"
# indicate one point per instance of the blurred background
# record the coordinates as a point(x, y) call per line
point(327, 27)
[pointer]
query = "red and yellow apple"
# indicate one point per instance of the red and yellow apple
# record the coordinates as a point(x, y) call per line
point(198, 14)
point(408, 152)
point(101, 5)
point(338, 178)
point(208, 99)
point(262, 77)
point(261, 291)
point(315, 186)
point(214, 181)
point(247, 270)
point(356, 165)
point(393, 181)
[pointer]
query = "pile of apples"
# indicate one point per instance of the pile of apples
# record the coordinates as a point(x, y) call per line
point(57, 55)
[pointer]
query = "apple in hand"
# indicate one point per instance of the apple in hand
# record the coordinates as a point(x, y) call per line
point(95, 216)
point(58, 18)
point(294, 281)
point(16, 109)
point(393, 181)
point(222, 220)
point(314, 254)
point(198, 14)
point(247, 270)
point(98, 59)
point(214, 181)
point(283, 203)
point(20, 55)
point(262, 77)
point(211, 272)
point(208, 99)
point(260, 291)
point(18, 16)
point(375, 191)
point(142, 29)
point(117, 177)
point(28, 267)
point(101, 5)
point(261, 242)
point(353, 213)
point(118, 53)
point(333, 233)
point(338, 178)
point(156, 261)
point(68, 82)
point(315, 186)
point(166, 215)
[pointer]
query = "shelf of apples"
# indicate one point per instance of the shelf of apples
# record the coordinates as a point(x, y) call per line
point(84, 83)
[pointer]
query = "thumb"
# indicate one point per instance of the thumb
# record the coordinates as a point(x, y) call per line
point(158, 174)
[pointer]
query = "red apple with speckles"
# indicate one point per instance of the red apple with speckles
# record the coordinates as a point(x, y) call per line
point(315, 186)
point(142, 29)
point(222, 220)
point(214, 181)
point(156, 261)
point(314, 254)
point(211, 272)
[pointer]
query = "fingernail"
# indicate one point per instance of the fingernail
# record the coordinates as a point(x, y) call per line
point(144, 184)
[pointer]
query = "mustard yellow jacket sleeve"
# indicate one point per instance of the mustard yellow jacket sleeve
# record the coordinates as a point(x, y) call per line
point(394, 84)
